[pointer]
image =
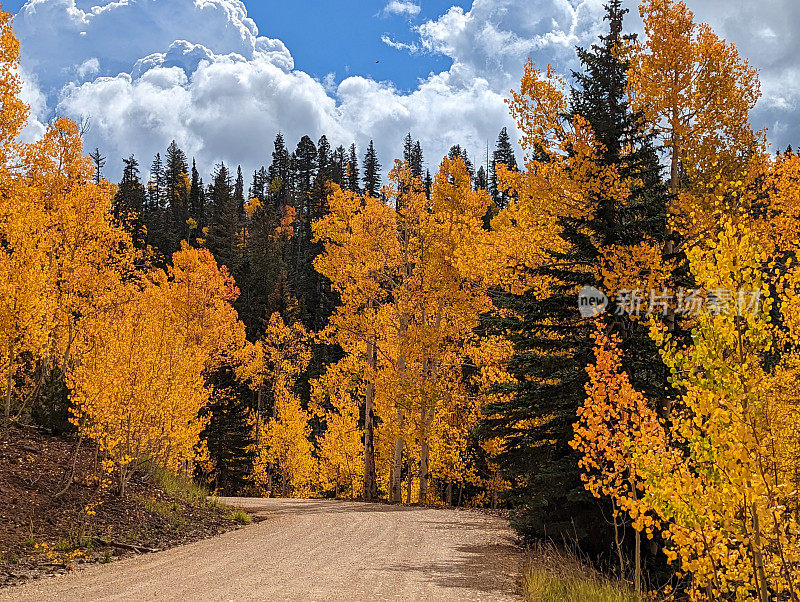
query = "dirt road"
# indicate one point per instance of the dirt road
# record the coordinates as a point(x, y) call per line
point(314, 550)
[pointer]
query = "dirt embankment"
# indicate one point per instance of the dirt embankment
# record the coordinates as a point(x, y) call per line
point(42, 532)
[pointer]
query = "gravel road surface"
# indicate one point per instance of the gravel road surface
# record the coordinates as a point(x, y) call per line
point(314, 550)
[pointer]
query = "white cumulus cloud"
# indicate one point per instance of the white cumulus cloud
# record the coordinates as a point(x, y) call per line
point(146, 71)
point(402, 7)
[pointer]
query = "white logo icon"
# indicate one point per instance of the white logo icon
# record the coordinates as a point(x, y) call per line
point(591, 302)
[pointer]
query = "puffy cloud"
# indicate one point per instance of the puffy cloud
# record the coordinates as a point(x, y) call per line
point(33, 97)
point(495, 37)
point(198, 71)
point(58, 37)
point(402, 7)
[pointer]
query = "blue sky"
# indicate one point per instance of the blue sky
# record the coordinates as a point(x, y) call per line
point(222, 77)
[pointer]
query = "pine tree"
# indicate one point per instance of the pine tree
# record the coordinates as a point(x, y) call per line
point(156, 185)
point(223, 233)
point(130, 201)
point(417, 160)
point(481, 182)
point(324, 159)
point(280, 183)
point(353, 181)
point(227, 436)
point(412, 155)
point(372, 172)
point(259, 189)
point(552, 342)
point(338, 167)
point(156, 216)
point(408, 148)
point(503, 155)
point(197, 204)
point(238, 193)
point(177, 185)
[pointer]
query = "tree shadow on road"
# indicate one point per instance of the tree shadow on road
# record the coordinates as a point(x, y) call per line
point(491, 569)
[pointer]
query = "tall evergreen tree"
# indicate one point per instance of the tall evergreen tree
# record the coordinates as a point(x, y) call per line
point(130, 201)
point(156, 216)
point(481, 182)
point(176, 189)
point(417, 161)
point(280, 173)
point(412, 156)
point(552, 342)
point(156, 185)
point(259, 189)
point(227, 435)
point(238, 192)
point(197, 203)
point(372, 172)
point(338, 167)
point(324, 159)
point(353, 180)
point(503, 155)
point(223, 232)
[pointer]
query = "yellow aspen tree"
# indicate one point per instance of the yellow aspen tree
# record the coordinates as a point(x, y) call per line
point(615, 421)
point(282, 445)
point(361, 259)
point(408, 305)
point(335, 398)
point(696, 92)
point(88, 256)
point(139, 387)
point(725, 487)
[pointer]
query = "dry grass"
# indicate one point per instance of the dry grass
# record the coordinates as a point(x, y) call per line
point(553, 575)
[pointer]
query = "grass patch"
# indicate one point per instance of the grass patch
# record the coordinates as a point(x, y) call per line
point(556, 576)
point(240, 516)
point(171, 511)
point(180, 487)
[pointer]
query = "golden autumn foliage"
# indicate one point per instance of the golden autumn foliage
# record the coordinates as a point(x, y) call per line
point(720, 483)
point(139, 386)
point(336, 398)
point(65, 257)
point(407, 290)
point(561, 178)
point(133, 345)
point(282, 447)
point(694, 90)
point(613, 425)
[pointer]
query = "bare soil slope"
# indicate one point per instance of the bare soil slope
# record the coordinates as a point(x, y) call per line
point(42, 532)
